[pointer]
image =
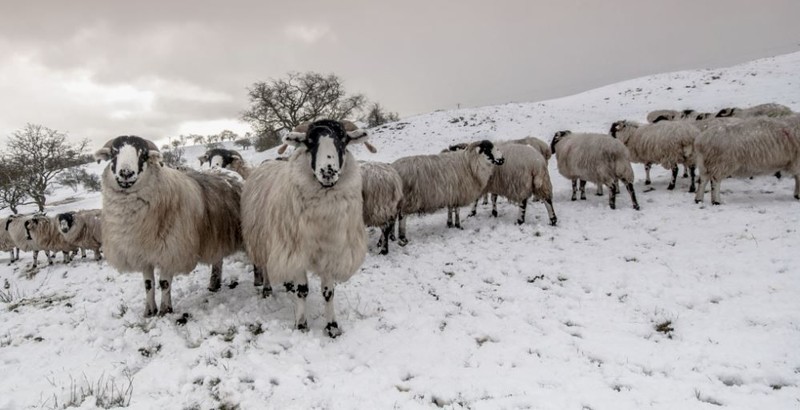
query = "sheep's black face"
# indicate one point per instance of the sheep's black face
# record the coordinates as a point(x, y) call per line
point(726, 112)
point(30, 224)
point(65, 221)
point(8, 221)
point(558, 136)
point(703, 116)
point(491, 152)
point(128, 156)
point(616, 127)
point(220, 158)
point(688, 113)
point(326, 141)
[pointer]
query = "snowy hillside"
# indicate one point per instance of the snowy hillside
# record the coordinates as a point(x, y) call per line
point(676, 306)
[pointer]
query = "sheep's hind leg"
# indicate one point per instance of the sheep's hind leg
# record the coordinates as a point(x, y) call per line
point(583, 189)
point(150, 308)
point(522, 208)
point(715, 191)
point(332, 327)
point(300, 291)
point(401, 229)
point(83, 253)
point(647, 173)
point(258, 276)
point(266, 291)
point(494, 205)
point(548, 203)
point(474, 210)
point(671, 185)
point(215, 281)
point(386, 231)
point(574, 189)
point(685, 171)
point(449, 217)
point(612, 195)
point(629, 187)
point(165, 283)
point(701, 190)
point(486, 199)
point(692, 186)
point(797, 187)
point(599, 190)
point(457, 217)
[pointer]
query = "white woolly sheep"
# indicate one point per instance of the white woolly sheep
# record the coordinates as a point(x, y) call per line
point(762, 110)
point(16, 229)
point(667, 143)
point(306, 214)
point(383, 189)
point(43, 230)
point(82, 229)
point(595, 158)
point(155, 217)
point(662, 115)
point(226, 159)
point(447, 180)
point(6, 243)
point(755, 146)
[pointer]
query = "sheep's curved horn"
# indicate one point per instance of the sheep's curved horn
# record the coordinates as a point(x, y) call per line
point(302, 127)
point(349, 125)
point(282, 149)
point(104, 154)
point(371, 148)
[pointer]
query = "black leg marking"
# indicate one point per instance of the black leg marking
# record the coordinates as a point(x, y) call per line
point(163, 284)
point(692, 186)
point(289, 286)
point(148, 285)
point(583, 189)
point(303, 326)
point(574, 189)
point(629, 186)
point(332, 330)
point(258, 276)
point(671, 185)
point(266, 291)
point(302, 290)
point(327, 294)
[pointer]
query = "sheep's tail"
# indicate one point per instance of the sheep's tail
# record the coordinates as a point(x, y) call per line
point(624, 170)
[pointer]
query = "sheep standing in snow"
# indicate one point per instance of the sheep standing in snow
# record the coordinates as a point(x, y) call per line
point(306, 214)
point(16, 229)
point(155, 217)
point(755, 146)
point(6, 243)
point(595, 158)
point(762, 110)
point(226, 159)
point(383, 189)
point(447, 180)
point(668, 143)
point(43, 230)
point(82, 229)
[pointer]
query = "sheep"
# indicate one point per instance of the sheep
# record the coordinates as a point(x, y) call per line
point(755, 146)
point(227, 159)
point(597, 158)
point(762, 110)
point(447, 180)
point(306, 214)
point(16, 229)
point(44, 231)
point(82, 229)
point(667, 143)
point(155, 217)
point(662, 115)
point(523, 174)
point(6, 243)
point(382, 189)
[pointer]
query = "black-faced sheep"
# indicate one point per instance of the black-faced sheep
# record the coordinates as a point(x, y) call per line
point(82, 229)
point(16, 229)
point(447, 180)
point(226, 159)
point(755, 146)
point(762, 110)
point(43, 230)
point(306, 214)
point(667, 143)
point(6, 243)
point(156, 217)
point(383, 189)
point(595, 158)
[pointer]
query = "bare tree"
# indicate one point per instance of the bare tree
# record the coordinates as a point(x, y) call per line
point(282, 104)
point(172, 153)
point(40, 153)
point(228, 135)
point(198, 139)
point(12, 186)
point(245, 143)
point(377, 115)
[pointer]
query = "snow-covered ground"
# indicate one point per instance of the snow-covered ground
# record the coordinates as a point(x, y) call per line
point(678, 306)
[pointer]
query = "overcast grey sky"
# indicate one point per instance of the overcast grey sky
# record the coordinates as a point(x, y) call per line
point(102, 68)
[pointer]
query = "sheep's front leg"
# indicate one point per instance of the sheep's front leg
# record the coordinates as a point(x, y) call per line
point(449, 217)
point(583, 189)
point(83, 253)
point(215, 282)
point(150, 308)
point(629, 187)
point(522, 208)
point(574, 189)
point(457, 217)
point(715, 186)
point(599, 190)
point(258, 276)
point(331, 328)
point(401, 229)
point(474, 210)
point(486, 199)
point(647, 173)
point(97, 255)
point(165, 283)
point(494, 205)
point(692, 186)
point(685, 171)
point(299, 289)
point(386, 231)
point(701, 190)
point(50, 257)
point(672, 183)
point(797, 187)
point(35, 259)
point(612, 195)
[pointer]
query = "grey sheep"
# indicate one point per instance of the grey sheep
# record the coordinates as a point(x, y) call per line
point(755, 146)
point(226, 159)
point(382, 188)
point(6, 243)
point(761, 110)
point(16, 229)
point(306, 214)
point(662, 115)
point(155, 217)
point(43, 230)
point(668, 143)
point(447, 180)
point(82, 229)
point(597, 158)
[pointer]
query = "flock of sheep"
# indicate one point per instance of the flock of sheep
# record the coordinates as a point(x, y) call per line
point(308, 212)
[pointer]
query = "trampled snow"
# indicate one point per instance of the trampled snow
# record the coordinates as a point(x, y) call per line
point(676, 306)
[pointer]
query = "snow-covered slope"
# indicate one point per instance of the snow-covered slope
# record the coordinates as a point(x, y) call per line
point(678, 306)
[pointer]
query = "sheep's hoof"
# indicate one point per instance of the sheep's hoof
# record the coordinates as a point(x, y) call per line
point(258, 282)
point(165, 311)
point(612, 206)
point(686, 175)
point(520, 221)
point(150, 312)
point(583, 197)
point(715, 203)
point(574, 198)
point(670, 187)
point(472, 213)
point(332, 330)
point(698, 201)
point(402, 241)
point(494, 213)
point(636, 207)
point(392, 237)
point(692, 189)
point(266, 291)
point(553, 221)
point(302, 326)
point(459, 227)
point(449, 224)
point(797, 197)
point(214, 288)
point(599, 194)
point(647, 182)
point(49, 262)
point(384, 251)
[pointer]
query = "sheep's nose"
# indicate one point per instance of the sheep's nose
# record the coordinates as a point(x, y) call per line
point(126, 174)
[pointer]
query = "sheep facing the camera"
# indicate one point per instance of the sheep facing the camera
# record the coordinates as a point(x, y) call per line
point(82, 229)
point(755, 146)
point(306, 214)
point(155, 217)
point(43, 230)
point(382, 188)
point(447, 180)
point(226, 159)
point(668, 143)
point(761, 110)
point(597, 158)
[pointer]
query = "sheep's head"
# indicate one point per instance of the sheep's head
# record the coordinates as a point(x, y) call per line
point(619, 127)
point(65, 221)
point(219, 158)
point(726, 112)
point(489, 151)
point(703, 116)
point(9, 220)
point(558, 136)
point(325, 142)
point(688, 114)
point(33, 223)
point(456, 147)
point(130, 156)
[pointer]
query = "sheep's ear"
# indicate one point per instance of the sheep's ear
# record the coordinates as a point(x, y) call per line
point(357, 136)
point(203, 159)
point(294, 138)
point(371, 148)
point(103, 154)
point(154, 156)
